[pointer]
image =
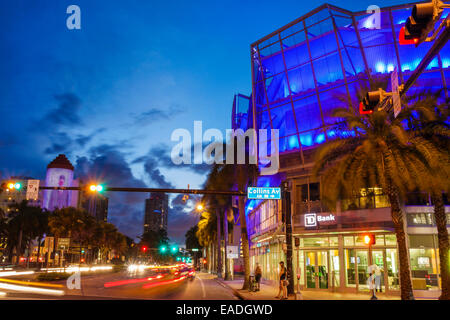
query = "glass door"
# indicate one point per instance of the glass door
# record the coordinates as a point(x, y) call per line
point(316, 269)
point(362, 262)
point(310, 268)
point(378, 259)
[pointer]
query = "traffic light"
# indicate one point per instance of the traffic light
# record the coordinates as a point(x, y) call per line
point(421, 22)
point(371, 100)
point(96, 187)
point(82, 251)
point(144, 248)
point(11, 186)
point(369, 239)
point(204, 261)
point(163, 249)
point(174, 249)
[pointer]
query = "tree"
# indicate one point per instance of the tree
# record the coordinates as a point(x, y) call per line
point(428, 119)
point(375, 151)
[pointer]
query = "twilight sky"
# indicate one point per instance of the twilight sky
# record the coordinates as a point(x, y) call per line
point(109, 95)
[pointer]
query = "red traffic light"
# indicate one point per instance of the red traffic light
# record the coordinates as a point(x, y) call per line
point(144, 248)
point(369, 239)
point(403, 41)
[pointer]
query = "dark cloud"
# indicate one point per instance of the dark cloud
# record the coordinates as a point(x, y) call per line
point(108, 165)
point(65, 114)
point(154, 114)
point(182, 217)
point(159, 156)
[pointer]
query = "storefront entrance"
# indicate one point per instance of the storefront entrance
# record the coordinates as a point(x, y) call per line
point(316, 263)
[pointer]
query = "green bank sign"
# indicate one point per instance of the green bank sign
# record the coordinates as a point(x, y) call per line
point(263, 193)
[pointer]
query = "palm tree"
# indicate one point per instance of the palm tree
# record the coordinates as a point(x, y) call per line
point(21, 226)
point(375, 151)
point(428, 119)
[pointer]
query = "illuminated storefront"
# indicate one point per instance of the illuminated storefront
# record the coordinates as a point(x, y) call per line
point(300, 73)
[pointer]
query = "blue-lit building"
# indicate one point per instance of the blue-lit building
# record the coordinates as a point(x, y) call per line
point(300, 73)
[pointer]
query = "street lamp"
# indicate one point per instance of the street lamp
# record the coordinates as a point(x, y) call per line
point(200, 207)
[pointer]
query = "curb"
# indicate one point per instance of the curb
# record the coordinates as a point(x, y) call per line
point(235, 292)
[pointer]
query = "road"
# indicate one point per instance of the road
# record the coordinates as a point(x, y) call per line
point(146, 285)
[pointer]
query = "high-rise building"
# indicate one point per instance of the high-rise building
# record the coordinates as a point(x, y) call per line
point(156, 212)
point(96, 205)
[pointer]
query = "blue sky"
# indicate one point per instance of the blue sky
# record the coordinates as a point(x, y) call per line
point(109, 95)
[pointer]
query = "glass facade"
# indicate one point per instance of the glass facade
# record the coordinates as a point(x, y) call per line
point(304, 70)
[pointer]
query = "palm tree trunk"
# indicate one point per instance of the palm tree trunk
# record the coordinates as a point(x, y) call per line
point(245, 245)
point(441, 224)
point(225, 237)
point(403, 256)
point(219, 251)
point(19, 245)
point(38, 264)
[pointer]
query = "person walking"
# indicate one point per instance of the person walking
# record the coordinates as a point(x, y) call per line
point(283, 282)
point(258, 275)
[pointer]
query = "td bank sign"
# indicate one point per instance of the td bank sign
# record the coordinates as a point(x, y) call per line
point(312, 219)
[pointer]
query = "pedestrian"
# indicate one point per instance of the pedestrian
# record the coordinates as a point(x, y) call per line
point(378, 272)
point(283, 282)
point(258, 275)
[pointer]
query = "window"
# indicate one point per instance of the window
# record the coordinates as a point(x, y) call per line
point(314, 192)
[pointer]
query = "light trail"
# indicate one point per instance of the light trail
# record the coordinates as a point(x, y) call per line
point(32, 283)
point(131, 281)
point(152, 285)
point(14, 273)
point(31, 289)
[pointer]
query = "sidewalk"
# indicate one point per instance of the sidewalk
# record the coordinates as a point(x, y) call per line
point(268, 292)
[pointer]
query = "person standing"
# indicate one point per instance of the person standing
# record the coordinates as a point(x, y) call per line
point(258, 275)
point(283, 282)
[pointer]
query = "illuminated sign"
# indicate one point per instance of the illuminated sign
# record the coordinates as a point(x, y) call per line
point(311, 219)
point(263, 193)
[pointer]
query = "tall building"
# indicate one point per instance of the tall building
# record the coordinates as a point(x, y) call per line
point(10, 197)
point(300, 73)
point(156, 212)
point(96, 205)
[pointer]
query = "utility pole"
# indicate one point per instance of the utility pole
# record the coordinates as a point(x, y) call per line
point(288, 222)
point(219, 251)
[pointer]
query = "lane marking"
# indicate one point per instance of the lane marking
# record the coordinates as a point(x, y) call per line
point(203, 287)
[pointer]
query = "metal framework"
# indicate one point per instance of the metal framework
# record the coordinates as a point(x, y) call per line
point(318, 62)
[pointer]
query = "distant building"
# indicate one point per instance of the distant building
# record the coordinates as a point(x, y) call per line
point(60, 174)
point(156, 212)
point(96, 205)
point(8, 198)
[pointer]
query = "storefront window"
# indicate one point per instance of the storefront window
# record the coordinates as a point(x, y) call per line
point(423, 268)
point(379, 240)
point(362, 260)
point(316, 242)
point(298, 262)
point(391, 239)
point(348, 241)
point(392, 268)
point(350, 268)
point(334, 241)
point(359, 240)
point(334, 268)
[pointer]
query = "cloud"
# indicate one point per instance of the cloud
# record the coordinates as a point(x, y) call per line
point(159, 156)
point(155, 114)
point(65, 114)
point(182, 216)
point(108, 165)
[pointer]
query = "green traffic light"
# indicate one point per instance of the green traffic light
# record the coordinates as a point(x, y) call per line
point(174, 249)
point(17, 186)
point(99, 188)
point(163, 249)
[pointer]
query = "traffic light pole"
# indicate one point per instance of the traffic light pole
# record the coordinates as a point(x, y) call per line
point(156, 190)
point(438, 44)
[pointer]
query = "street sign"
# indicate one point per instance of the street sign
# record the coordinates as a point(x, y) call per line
point(32, 190)
point(263, 193)
point(232, 252)
point(194, 249)
point(63, 243)
point(48, 244)
point(395, 93)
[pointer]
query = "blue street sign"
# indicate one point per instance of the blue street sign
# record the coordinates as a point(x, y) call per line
point(263, 193)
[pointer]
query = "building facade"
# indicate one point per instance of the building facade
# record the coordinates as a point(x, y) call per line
point(156, 212)
point(300, 73)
